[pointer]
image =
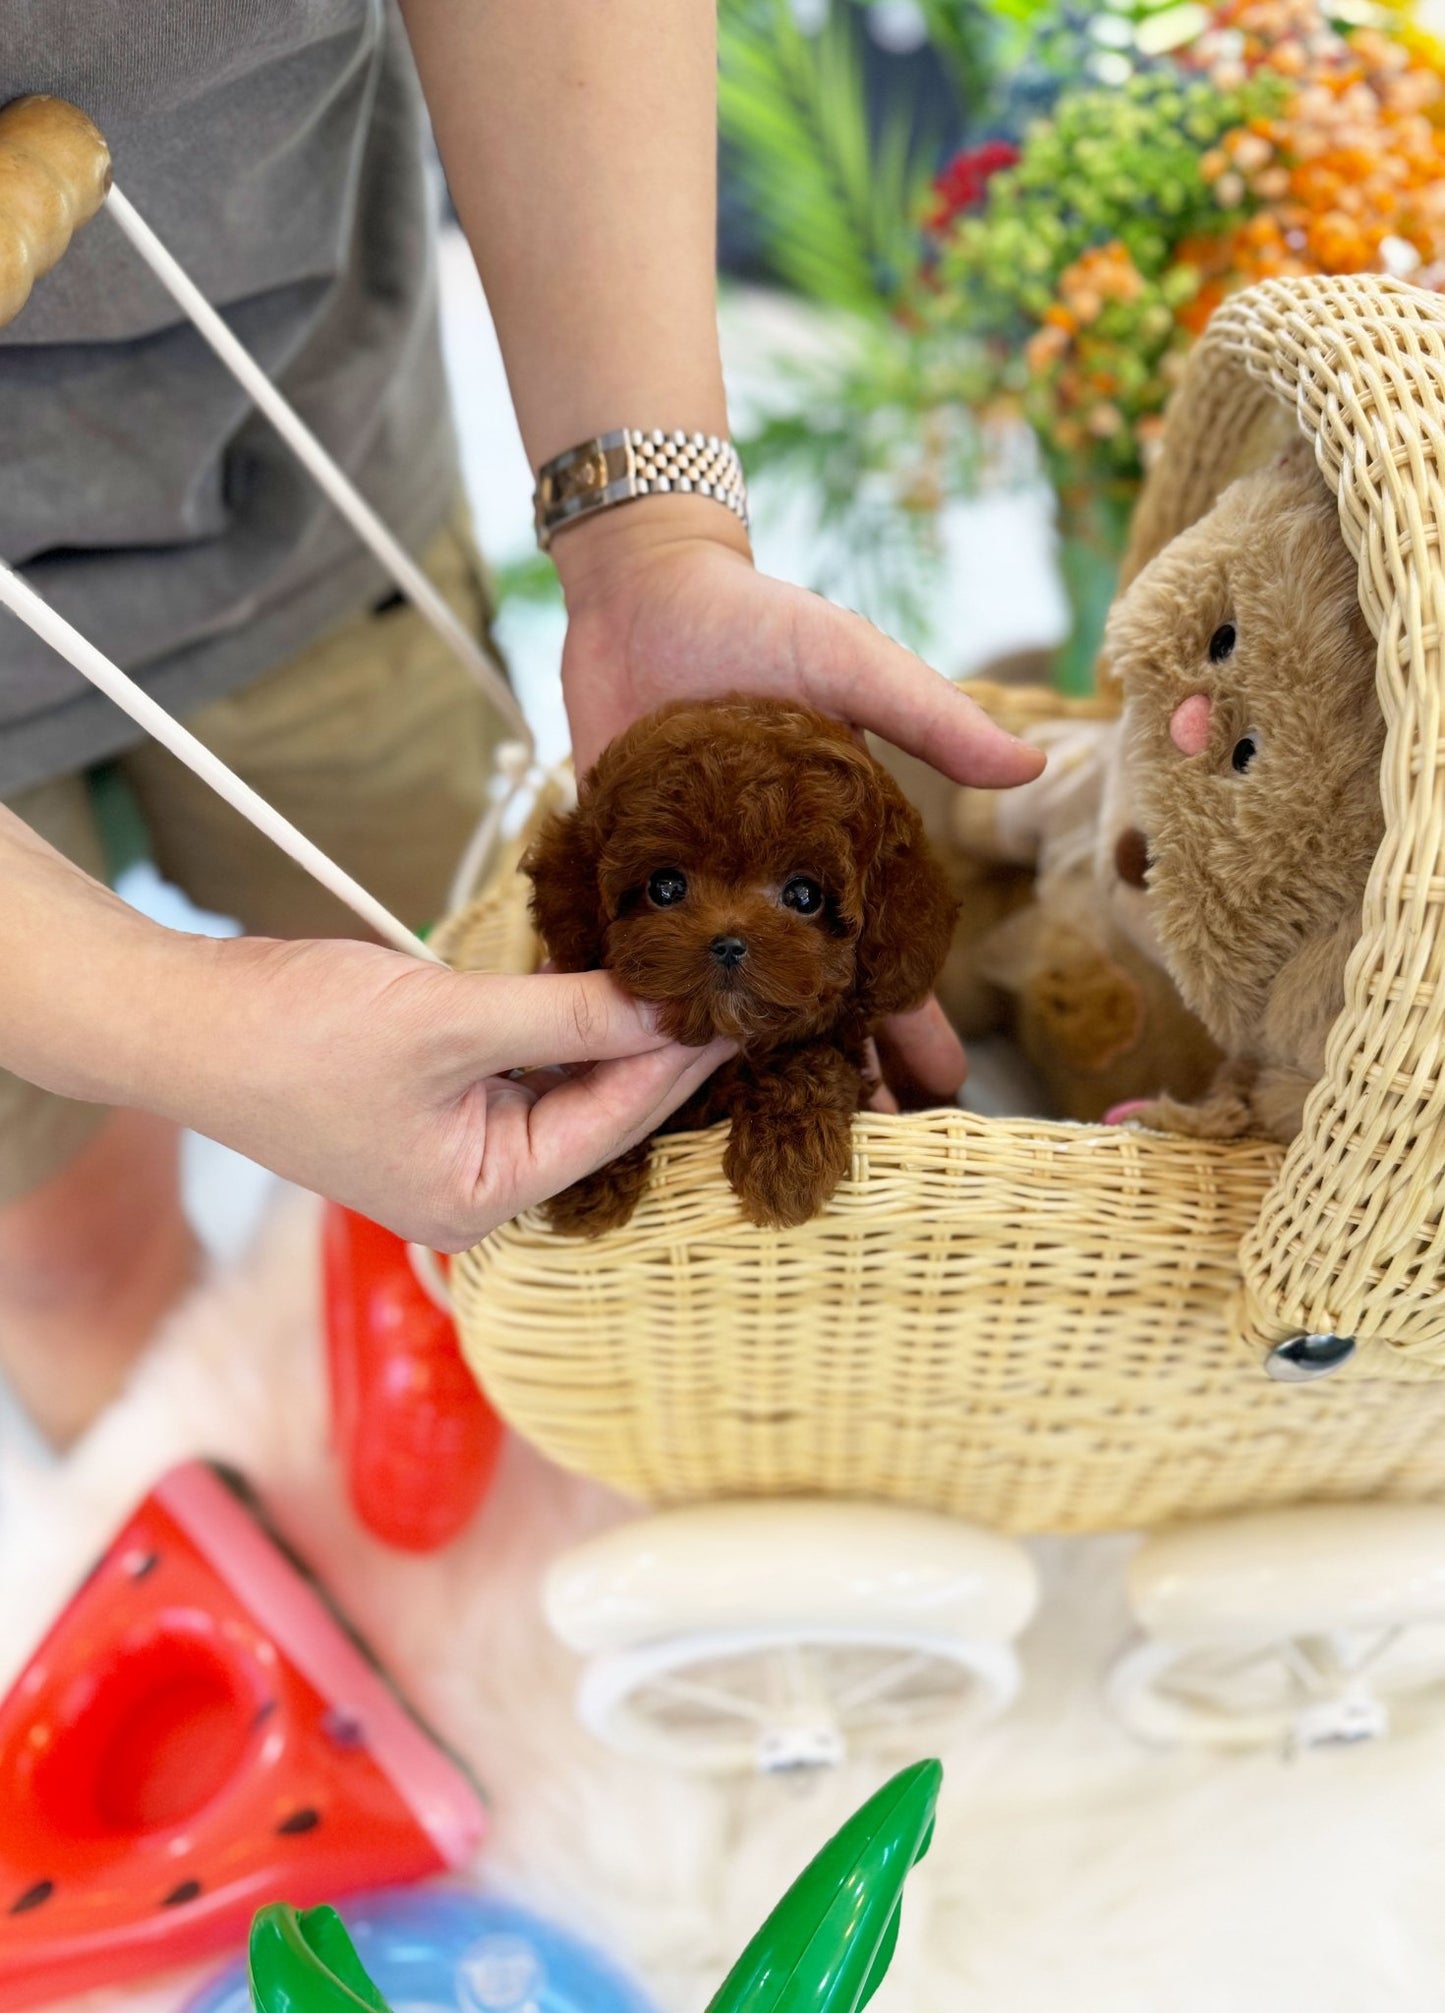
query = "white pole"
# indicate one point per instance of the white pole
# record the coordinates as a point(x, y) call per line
point(52, 628)
point(308, 450)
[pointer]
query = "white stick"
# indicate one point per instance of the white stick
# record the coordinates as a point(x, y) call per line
point(308, 450)
point(52, 628)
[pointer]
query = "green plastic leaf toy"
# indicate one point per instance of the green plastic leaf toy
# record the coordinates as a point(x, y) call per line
point(303, 1961)
point(827, 1944)
point(824, 1949)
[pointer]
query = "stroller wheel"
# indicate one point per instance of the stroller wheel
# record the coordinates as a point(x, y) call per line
point(782, 1636)
point(1311, 1627)
point(786, 1700)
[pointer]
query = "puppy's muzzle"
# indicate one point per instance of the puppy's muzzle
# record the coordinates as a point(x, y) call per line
point(728, 952)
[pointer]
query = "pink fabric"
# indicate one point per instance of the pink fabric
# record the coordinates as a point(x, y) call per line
point(1189, 727)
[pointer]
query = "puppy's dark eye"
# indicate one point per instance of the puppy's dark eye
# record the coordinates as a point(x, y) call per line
point(1221, 643)
point(667, 887)
point(1243, 753)
point(803, 895)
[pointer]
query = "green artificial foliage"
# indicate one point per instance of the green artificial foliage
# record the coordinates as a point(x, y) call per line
point(1112, 165)
point(840, 438)
point(123, 834)
point(838, 205)
point(530, 578)
point(303, 1961)
point(948, 292)
point(827, 1945)
point(967, 41)
point(824, 1949)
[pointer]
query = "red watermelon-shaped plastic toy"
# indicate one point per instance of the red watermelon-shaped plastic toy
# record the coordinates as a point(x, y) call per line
point(417, 1440)
point(199, 1735)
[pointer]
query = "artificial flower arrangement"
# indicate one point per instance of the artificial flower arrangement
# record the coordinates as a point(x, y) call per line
point(1064, 266)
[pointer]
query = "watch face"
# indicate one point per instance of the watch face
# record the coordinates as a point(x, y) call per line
point(581, 478)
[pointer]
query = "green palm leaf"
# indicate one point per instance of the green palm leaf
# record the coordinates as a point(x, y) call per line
point(838, 212)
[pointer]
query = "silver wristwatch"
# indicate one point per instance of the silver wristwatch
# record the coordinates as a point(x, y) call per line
point(620, 466)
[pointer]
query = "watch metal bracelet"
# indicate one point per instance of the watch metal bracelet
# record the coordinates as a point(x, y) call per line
point(629, 462)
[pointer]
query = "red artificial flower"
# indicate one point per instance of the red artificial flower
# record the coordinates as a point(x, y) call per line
point(963, 183)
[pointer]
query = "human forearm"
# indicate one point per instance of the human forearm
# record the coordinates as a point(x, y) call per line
point(383, 1082)
point(94, 997)
point(579, 138)
point(580, 141)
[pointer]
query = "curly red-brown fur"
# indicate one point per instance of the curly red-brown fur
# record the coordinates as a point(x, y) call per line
point(604, 1200)
point(739, 798)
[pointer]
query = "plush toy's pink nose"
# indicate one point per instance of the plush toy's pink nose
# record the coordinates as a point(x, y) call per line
point(1189, 726)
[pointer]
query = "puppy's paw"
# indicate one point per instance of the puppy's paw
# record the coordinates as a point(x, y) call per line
point(1279, 1102)
point(602, 1201)
point(1228, 1109)
point(782, 1172)
point(1215, 1118)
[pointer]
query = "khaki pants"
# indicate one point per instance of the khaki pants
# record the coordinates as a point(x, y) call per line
point(374, 742)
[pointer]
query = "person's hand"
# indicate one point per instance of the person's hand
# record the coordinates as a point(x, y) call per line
point(387, 1084)
point(397, 1088)
point(664, 603)
point(438, 1103)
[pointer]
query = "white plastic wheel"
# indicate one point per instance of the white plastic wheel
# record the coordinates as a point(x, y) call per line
point(780, 1636)
point(782, 1700)
point(1291, 1629)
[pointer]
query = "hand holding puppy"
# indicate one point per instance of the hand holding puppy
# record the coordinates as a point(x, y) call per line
point(665, 603)
point(387, 1084)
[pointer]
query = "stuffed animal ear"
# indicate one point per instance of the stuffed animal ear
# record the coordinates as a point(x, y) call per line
point(908, 916)
point(561, 864)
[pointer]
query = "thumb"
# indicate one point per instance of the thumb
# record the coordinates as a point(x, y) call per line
point(555, 1017)
point(587, 1121)
point(855, 671)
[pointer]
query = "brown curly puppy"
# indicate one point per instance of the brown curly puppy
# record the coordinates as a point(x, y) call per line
point(749, 868)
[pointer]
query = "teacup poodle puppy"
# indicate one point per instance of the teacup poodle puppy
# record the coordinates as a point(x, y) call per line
point(745, 865)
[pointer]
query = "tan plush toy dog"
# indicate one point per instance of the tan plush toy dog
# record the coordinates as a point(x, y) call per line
point(1040, 953)
point(1253, 738)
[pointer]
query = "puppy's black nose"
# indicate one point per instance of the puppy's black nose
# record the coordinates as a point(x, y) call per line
point(728, 951)
point(1131, 858)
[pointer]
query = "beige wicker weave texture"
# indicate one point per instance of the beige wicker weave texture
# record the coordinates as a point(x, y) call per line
point(1350, 1238)
point(1021, 1323)
point(1016, 1323)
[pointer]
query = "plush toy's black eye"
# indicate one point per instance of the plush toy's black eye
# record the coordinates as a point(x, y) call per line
point(667, 887)
point(1244, 753)
point(803, 895)
point(1221, 643)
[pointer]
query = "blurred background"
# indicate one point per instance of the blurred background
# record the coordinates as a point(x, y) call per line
point(966, 249)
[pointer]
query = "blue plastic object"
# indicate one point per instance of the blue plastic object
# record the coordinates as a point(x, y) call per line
point(443, 1950)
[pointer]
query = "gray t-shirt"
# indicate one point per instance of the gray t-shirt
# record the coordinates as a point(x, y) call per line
point(276, 147)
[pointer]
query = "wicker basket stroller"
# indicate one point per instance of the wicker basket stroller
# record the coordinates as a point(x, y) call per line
point(1040, 1327)
point(1046, 1327)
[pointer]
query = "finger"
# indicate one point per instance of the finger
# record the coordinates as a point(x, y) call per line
point(923, 1059)
point(852, 669)
point(589, 1120)
point(538, 1081)
point(548, 1018)
point(879, 1096)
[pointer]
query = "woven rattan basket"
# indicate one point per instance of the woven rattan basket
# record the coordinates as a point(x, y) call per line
point(1054, 1327)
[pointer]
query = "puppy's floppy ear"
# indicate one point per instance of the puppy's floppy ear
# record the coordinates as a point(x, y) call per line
point(566, 900)
point(908, 916)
